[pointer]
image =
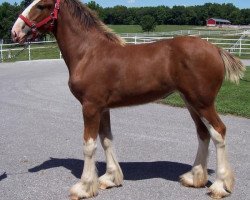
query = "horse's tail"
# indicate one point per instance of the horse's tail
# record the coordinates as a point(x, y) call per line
point(234, 68)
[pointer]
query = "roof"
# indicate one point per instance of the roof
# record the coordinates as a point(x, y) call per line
point(220, 20)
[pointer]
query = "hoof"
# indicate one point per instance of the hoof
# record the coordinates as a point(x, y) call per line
point(83, 191)
point(222, 188)
point(110, 180)
point(104, 186)
point(187, 179)
point(217, 191)
point(196, 178)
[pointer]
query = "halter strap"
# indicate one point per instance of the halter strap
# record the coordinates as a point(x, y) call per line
point(34, 26)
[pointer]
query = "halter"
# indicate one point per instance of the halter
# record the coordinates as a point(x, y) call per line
point(35, 26)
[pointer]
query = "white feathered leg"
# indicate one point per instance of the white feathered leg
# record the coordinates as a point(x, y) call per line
point(113, 176)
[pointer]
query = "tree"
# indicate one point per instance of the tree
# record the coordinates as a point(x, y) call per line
point(8, 15)
point(245, 16)
point(148, 23)
point(97, 8)
point(25, 3)
point(120, 13)
point(147, 17)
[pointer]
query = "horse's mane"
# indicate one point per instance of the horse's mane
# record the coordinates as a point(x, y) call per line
point(89, 19)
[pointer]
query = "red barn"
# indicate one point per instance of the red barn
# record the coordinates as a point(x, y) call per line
point(217, 22)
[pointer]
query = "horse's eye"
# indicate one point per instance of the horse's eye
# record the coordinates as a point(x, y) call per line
point(40, 7)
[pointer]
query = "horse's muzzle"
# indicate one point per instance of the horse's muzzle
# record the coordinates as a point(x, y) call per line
point(18, 32)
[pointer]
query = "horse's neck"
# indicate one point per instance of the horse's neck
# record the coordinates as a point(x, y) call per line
point(73, 42)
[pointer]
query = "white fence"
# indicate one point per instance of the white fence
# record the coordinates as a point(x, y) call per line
point(189, 32)
point(239, 46)
point(49, 49)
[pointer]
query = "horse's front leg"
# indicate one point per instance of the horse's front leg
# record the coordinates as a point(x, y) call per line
point(88, 186)
point(113, 176)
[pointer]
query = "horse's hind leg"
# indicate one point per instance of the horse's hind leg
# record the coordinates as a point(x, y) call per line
point(197, 177)
point(224, 182)
point(113, 176)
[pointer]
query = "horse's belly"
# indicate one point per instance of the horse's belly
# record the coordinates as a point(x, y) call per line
point(137, 98)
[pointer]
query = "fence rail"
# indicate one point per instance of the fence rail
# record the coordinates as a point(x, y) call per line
point(190, 32)
point(49, 49)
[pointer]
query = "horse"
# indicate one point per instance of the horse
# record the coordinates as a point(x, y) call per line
point(106, 73)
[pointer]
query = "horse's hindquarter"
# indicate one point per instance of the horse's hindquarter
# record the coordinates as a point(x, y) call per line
point(199, 69)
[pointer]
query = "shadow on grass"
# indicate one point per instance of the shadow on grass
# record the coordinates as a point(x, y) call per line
point(131, 170)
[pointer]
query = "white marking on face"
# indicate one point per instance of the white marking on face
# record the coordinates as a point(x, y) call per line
point(19, 24)
point(28, 9)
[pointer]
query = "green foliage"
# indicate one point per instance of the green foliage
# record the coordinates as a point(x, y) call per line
point(8, 15)
point(97, 8)
point(178, 15)
point(25, 3)
point(147, 23)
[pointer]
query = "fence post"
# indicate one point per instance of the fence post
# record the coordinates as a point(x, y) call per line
point(29, 52)
point(135, 39)
point(9, 53)
point(1, 50)
point(240, 47)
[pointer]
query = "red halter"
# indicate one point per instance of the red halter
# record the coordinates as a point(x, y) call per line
point(34, 26)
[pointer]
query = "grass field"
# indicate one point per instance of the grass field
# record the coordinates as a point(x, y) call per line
point(159, 28)
point(43, 51)
point(232, 99)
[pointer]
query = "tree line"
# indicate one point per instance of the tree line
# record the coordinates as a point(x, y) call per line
point(177, 15)
point(122, 15)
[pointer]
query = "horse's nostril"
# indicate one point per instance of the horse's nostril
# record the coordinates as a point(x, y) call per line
point(14, 36)
point(13, 33)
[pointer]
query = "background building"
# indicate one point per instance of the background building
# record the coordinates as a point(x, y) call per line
point(217, 22)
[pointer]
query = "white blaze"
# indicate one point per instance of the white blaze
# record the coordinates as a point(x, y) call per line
point(19, 24)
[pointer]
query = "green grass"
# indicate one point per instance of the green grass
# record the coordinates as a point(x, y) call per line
point(246, 56)
point(232, 99)
point(126, 28)
point(166, 28)
point(163, 28)
point(44, 51)
point(159, 28)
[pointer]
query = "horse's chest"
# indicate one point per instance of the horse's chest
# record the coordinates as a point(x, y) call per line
point(76, 86)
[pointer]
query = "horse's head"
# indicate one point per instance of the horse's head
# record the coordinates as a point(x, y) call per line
point(37, 18)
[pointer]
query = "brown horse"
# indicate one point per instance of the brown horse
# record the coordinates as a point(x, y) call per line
point(105, 73)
